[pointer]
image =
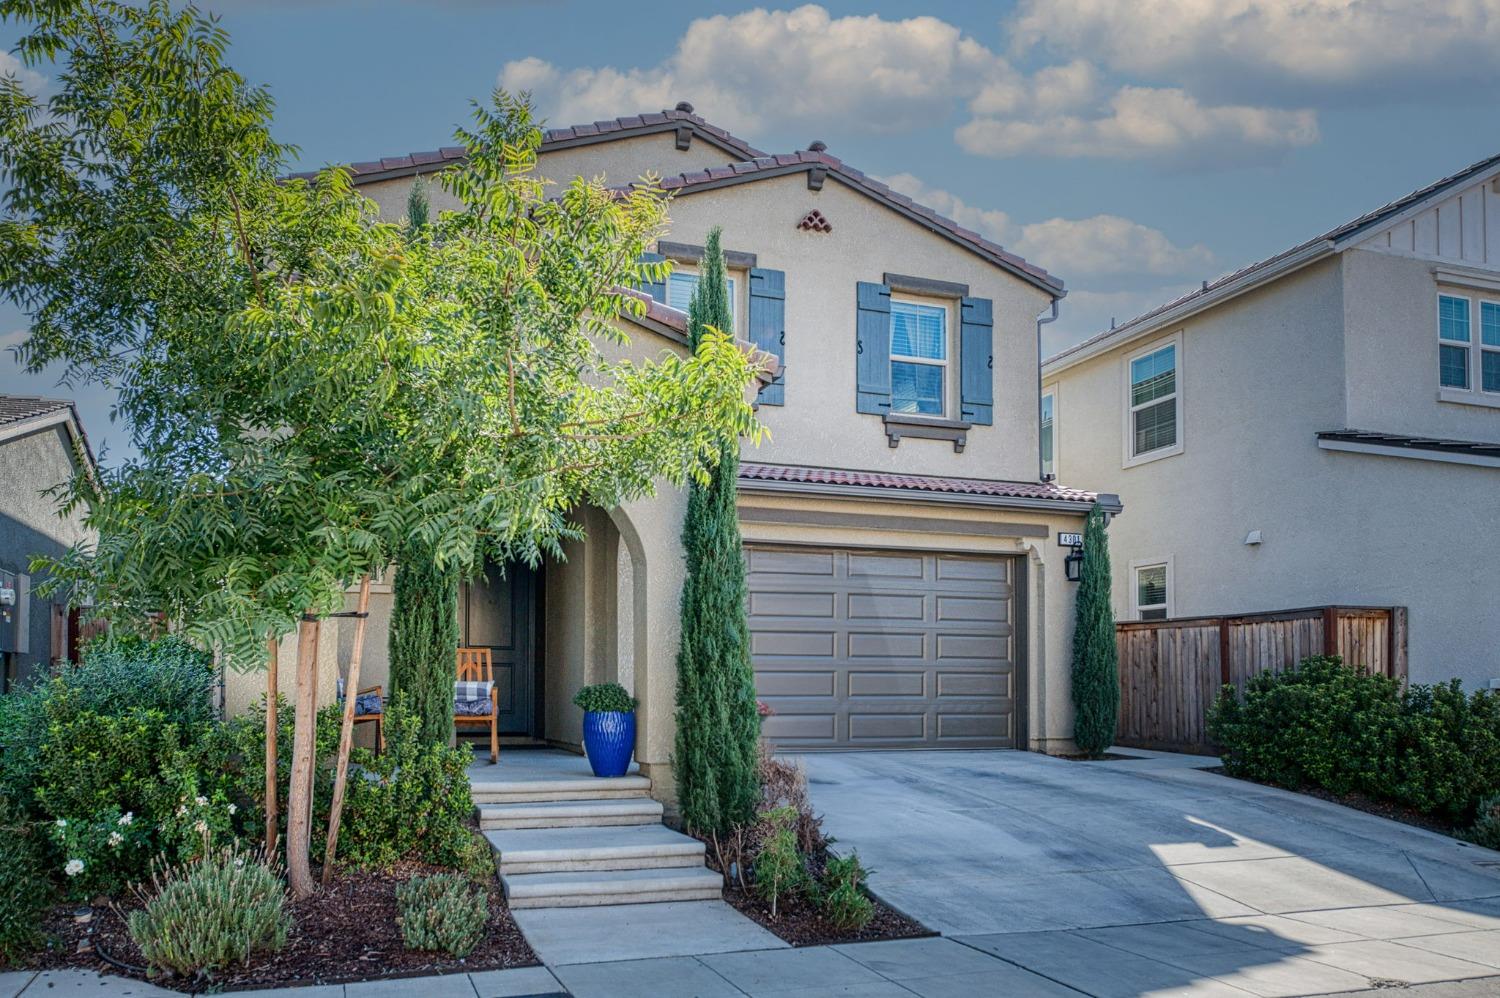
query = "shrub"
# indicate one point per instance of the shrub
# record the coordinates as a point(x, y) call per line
point(100, 853)
point(478, 859)
point(442, 912)
point(784, 784)
point(1325, 724)
point(604, 698)
point(1096, 681)
point(780, 871)
point(413, 800)
point(205, 915)
point(1486, 828)
point(25, 890)
point(843, 901)
point(423, 641)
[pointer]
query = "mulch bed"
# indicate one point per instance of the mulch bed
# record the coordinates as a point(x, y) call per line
point(1379, 808)
point(343, 934)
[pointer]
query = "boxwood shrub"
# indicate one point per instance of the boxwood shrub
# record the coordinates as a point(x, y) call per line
point(1325, 724)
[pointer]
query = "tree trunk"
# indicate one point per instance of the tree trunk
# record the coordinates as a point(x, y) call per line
point(299, 801)
point(272, 693)
point(346, 732)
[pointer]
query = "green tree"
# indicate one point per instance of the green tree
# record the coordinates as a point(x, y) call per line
point(310, 388)
point(423, 643)
point(1096, 681)
point(718, 727)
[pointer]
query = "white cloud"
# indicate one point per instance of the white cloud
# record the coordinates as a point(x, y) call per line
point(1139, 122)
point(1275, 49)
point(1102, 250)
point(745, 70)
point(14, 338)
point(31, 81)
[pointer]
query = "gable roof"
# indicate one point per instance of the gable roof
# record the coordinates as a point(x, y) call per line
point(1333, 241)
point(756, 477)
point(21, 415)
point(749, 164)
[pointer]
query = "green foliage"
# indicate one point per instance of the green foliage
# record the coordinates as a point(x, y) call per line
point(477, 861)
point(443, 912)
point(780, 870)
point(605, 698)
point(423, 643)
point(417, 210)
point(211, 913)
point(1329, 725)
point(101, 852)
point(1486, 828)
point(718, 726)
point(411, 801)
point(1096, 682)
point(25, 889)
point(842, 898)
point(94, 762)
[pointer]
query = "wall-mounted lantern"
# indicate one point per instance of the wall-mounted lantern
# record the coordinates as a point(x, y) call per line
point(1073, 563)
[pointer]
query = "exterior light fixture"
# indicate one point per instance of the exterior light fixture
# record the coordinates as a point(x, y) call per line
point(1073, 564)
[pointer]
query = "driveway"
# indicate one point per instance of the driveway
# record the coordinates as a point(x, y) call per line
point(1152, 876)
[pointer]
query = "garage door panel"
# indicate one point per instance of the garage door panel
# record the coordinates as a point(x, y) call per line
point(883, 649)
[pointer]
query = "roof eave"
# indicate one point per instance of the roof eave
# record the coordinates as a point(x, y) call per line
point(1109, 503)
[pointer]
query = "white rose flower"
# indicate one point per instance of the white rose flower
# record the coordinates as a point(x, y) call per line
point(74, 867)
point(232, 809)
point(181, 810)
point(62, 823)
point(201, 801)
point(115, 838)
point(127, 818)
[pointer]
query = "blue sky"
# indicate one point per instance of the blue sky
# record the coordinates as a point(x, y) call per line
point(1134, 148)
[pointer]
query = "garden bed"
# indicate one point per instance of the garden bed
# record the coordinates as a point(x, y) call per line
point(1359, 802)
point(343, 934)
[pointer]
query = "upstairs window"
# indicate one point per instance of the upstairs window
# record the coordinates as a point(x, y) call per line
point(919, 358)
point(682, 283)
point(1151, 595)
point(1453, 341)
point(1489, 346)
point(1049, 440)
point(1154, 422)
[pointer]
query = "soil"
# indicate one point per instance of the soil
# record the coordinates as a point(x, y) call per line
point(1380, 808)
point(345, 933)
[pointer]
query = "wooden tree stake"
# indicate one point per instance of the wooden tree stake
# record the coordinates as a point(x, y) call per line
point(299, 801)
point(346, 731)
point(272, 695)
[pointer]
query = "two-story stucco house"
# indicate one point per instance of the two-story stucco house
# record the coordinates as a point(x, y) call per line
point(1322, 427)
point(906, 586)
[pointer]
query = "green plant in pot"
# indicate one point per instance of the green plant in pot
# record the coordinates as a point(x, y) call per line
point(608, 727)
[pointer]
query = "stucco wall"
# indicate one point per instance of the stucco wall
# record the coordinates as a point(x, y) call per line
point(1260, 376)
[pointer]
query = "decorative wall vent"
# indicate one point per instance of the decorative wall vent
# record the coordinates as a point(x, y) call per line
point(814, 221)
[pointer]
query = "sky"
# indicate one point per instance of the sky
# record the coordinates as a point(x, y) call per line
point(1134, 148)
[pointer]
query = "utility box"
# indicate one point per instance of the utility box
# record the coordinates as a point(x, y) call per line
point(15, 618)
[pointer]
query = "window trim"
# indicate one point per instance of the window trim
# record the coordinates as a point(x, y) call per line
point(949, 367)
point(1049, 391)
point(1474, 301)
point(1170, 605)
point(1129, 459)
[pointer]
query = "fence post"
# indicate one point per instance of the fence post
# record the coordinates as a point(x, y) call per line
point(1225, 675)
point(1330, 631)
point(1396, 657)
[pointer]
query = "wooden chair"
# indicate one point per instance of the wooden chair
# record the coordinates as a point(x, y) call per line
point(378, 718)
point(475, 665)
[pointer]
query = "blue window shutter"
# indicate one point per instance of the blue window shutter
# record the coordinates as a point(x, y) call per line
point(768, 326)
point(873, 348)
point(656, 289)
point(977, 361)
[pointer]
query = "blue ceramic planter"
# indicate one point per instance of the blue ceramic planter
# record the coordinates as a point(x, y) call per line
point(609, 740)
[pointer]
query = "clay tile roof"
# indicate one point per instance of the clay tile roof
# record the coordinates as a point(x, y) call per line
point(932, 484)
point(15, 408)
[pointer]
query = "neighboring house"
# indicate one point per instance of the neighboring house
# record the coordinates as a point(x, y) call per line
point(41, 446)
point(1322, 427)
point(906, 586)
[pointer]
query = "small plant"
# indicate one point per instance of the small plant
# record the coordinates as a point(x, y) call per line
point(1486, 828)
point(442, 912)
point(478, 859)
point(603, 698)
point(25, 890)
point(98, 854)
point(203, 916)
point(844, 902)
point(779, 869)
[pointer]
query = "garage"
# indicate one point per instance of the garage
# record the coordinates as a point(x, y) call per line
point(882, 649)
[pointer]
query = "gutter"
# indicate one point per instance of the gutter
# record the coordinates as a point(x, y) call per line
point(1042, 320)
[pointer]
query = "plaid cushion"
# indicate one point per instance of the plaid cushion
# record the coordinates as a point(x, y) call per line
point(365, 703)
point(476, 708)
point(470, 689)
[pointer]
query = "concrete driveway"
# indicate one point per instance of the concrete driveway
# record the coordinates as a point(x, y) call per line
point(1150, 876)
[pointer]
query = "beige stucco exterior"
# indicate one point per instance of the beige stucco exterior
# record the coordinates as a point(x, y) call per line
point(611, 605)
point(1348, 341)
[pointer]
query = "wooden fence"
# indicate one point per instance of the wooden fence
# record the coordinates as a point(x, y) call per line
point(1171, 670)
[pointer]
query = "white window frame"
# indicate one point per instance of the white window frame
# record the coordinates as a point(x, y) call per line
point(1135, 590)
point(1476, 300)
point(950, 343)
point(1050, 391)
point(1129, 458)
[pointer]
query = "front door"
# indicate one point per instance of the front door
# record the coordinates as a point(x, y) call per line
point(497, 611)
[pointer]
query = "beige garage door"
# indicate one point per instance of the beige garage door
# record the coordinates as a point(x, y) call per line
point(885, 649)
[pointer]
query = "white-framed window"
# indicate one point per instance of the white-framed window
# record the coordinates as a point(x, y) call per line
point(1454, 342)
point(1153, 402)
point(919, 358)
point(1049, 432)
point(1489, 346)
point(681, 284)
point(1151, 589)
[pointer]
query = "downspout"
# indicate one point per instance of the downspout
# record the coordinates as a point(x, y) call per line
point(1040, 322)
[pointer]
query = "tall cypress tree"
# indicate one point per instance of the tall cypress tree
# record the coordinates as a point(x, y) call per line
point(423, 637)
point(1096, 680)
point(718, 729)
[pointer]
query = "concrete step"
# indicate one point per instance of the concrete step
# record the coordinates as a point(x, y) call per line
point(588, 888)
point(570, 813)
point(499, 791)
point(621, 847)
